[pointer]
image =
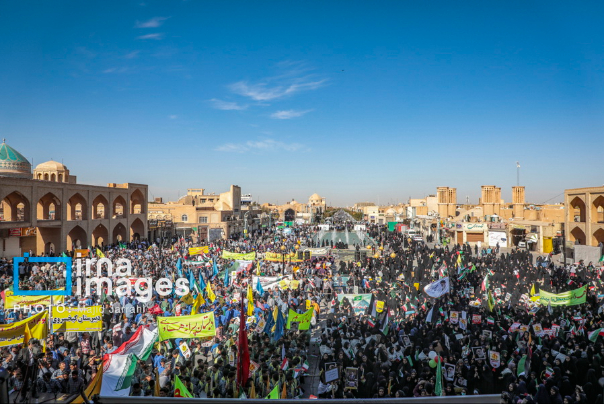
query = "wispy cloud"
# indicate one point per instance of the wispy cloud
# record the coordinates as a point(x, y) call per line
point(266, 91)
point(116, 70)
point(289, 114)
point(152, 23)
point(267, 145)
point(132, 54)
point(172, 116)
point(227, 105)
point(157, 36)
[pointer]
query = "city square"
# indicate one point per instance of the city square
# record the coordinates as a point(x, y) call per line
point(318, 201)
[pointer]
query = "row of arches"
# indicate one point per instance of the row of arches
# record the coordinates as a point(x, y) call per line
point(51, 177)
point(77, 237)
point(16, 207)
point(578, 210)
point(577, 235)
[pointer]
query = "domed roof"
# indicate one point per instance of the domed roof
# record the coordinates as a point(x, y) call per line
point(315, 197)
point(12, 163)
point(51, 165)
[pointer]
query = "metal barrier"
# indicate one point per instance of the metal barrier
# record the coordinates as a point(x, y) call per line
point(483, 399)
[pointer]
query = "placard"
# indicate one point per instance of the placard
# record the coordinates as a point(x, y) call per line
point(331, 373)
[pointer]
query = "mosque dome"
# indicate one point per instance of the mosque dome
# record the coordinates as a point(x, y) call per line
point(51, 165)
point(12, 163)
point(51, 171)
point(315, 197)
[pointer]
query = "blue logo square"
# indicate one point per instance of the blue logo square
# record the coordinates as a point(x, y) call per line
point(19, 292)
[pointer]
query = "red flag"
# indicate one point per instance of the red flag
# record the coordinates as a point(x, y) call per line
point(243, 365)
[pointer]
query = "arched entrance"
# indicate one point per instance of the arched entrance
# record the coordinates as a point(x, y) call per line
point(49, 207)
point(119, 207)
point(597, 210)
point(137, 202)
point(289, 215)
point(76, 238)
point(137, 230)
point(577, 236)
point(577, 210)
point(15, 208)
point(598, 237)
point(77, 208)
point(100, 207)
point(49, 247)
point(100, 235)
point(119, 233)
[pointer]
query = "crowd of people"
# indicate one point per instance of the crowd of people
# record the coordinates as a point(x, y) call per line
point(375, 332)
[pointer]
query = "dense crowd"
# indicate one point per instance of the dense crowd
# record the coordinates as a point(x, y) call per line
point(375, 333)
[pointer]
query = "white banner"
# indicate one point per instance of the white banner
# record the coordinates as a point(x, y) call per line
point(438, 288)
point(498, 237)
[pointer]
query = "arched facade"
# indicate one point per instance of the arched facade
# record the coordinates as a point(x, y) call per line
point(76, 238)
point(137, 229)
point(49, 207)
point(100, 236)
point(585, 215)
point(137, 202)
point(57, 215)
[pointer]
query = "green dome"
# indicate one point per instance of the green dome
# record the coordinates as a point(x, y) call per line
point(12, 163)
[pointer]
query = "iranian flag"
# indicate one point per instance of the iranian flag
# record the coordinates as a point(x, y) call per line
point(118, 371)
point(140, 344)
point(490, 320)
point(593, 336)
point(285, 364)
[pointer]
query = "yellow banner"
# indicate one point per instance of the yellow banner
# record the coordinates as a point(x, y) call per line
point(11, 300)
point(238, 256)
point(379, 306)
point(80, 253)
point(12, 334)
point(197, 326)
point(276, 257)
point(77, 319)
point(198, 250)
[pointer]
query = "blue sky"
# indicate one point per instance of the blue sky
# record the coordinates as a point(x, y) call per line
point(353, 100)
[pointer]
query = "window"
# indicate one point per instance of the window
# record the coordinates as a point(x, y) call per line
point(203, 219)
point(184, 218)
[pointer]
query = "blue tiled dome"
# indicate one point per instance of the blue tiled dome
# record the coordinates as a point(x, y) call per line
point(12, 163)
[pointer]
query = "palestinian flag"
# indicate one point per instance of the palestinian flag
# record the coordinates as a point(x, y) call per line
point(522, 366)
point(385, 327)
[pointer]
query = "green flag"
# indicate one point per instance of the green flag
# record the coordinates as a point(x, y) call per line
point(438, 389)
point(521, 365)
point(303, 319)
point(275, 393)
point(180, 390)
point(593, 336)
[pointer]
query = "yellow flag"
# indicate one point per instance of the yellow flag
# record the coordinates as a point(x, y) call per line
point(533, 290)
point(156, 386)
point(40, 332)
point(258, 268)
point(94, 387)
point(250, 300)
point(187, 299)
point(284, 392)
point(26, 334)
point(199, 301)
point(210, 293)
point(253, 390)
point(99, 253)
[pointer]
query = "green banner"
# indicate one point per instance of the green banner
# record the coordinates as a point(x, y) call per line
point(359, 302)
point(303, 319)
point(570, 298)
point(237, 256)
point(195, 326)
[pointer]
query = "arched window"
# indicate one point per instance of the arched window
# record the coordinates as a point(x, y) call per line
point(184, 218)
